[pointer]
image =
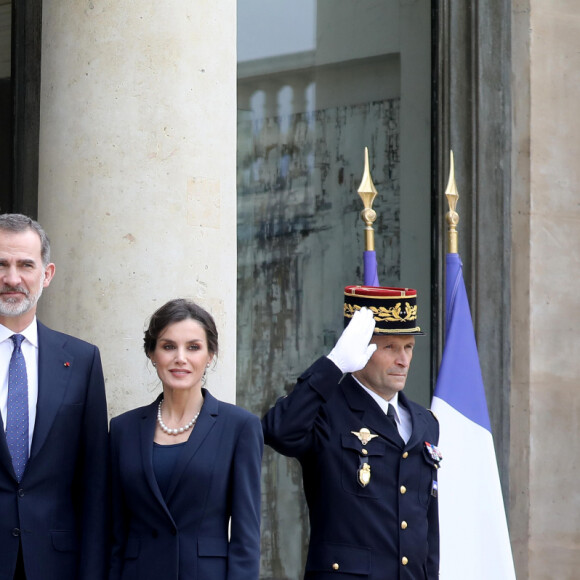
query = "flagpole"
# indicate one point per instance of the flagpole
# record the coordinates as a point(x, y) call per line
point(473, 532)
point(452, 216)
point(368, 192)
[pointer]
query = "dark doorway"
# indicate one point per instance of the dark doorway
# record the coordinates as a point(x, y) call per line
point(20, 110)
point(6, 145)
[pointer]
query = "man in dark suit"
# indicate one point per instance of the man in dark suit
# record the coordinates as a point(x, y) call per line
point(53, 441)
point(368, 454)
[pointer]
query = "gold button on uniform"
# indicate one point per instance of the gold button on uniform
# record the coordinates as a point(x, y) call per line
point(404, 561)
point(403, 525)
point(405, 455)
point(364, 452)
point(335, 566)
point(403, 489)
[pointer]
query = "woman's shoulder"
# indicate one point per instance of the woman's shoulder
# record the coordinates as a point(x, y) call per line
point(133, 414)
point(234, 412)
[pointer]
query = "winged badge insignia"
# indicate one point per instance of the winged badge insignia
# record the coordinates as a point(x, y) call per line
point(364, 435)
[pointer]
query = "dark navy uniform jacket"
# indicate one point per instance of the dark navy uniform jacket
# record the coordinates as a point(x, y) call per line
point(387, 530)
point(187, 535)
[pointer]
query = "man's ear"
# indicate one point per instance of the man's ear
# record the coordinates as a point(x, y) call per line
point(48, 275)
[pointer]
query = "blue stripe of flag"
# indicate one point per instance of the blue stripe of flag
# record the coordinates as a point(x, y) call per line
point(370, 261)
point(460, 382)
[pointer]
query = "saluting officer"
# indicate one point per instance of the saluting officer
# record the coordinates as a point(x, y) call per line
point(368, 454)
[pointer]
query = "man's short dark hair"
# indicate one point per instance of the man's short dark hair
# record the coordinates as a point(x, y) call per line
point(16, 223)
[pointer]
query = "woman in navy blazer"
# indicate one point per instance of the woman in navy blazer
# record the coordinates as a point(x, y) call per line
point(185, 469)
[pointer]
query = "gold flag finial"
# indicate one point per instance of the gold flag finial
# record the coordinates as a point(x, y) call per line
point(368, 192)
point(452, 216)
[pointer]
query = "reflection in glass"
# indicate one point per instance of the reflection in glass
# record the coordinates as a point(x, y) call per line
point(317, 82)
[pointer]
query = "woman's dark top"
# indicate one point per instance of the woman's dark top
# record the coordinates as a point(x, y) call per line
point(164, 459)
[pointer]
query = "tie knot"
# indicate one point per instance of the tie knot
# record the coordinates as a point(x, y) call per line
point(17, 340)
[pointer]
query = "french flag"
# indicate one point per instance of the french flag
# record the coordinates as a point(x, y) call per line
point(371, 276)
point(474, 538)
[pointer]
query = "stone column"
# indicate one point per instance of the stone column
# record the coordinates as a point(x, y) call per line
point(137, 175)
point(545, 502)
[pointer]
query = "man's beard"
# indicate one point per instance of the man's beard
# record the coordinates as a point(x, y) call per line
point(17, 307)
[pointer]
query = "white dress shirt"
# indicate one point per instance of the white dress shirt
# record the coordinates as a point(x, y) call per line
point(402, 416)
point(30, 351)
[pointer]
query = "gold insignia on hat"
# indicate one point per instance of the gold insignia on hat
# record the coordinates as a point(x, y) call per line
point(364, 436)
point(394, 314)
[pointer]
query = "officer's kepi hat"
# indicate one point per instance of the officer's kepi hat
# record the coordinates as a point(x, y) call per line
point(394, 309)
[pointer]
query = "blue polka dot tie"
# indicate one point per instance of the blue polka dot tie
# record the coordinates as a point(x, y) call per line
point(17, 414)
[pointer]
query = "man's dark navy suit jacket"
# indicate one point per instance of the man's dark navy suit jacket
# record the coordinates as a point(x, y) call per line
point(58, 512)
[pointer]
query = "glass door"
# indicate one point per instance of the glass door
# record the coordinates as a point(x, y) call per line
point(318, 81)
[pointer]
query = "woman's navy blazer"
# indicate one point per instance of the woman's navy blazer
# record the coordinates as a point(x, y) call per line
point(216, 477)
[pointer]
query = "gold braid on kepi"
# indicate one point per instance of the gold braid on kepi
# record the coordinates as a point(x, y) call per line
point(394, 309)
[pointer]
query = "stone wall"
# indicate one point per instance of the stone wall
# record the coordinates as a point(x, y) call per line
point(545, 462)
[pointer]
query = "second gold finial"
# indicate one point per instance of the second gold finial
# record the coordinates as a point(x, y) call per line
point(368, 192)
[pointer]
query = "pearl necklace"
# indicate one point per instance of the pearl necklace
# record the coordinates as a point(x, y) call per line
point(177, 431)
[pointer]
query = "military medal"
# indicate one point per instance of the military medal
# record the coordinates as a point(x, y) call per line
point(435, 454)
point(364, 472)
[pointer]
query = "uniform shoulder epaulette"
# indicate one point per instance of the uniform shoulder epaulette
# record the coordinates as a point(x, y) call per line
point(435, 416)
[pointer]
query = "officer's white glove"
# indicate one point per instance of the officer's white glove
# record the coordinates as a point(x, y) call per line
point(352, 351)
